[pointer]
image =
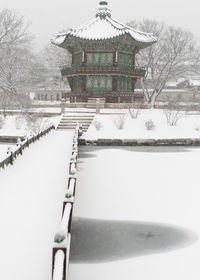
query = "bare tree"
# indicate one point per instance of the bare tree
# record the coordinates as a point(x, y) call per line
point(134, 109)
point(13, 29)
point(15, 76)
point(14, 51)
point(173, 116)
point(54, 58)
point(173, 113)
point(173, 56)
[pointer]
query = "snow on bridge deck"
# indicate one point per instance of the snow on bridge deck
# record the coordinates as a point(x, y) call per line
point(31, 195)
point(137, 214)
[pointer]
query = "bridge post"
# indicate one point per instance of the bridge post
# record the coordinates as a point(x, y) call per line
point(64, 271)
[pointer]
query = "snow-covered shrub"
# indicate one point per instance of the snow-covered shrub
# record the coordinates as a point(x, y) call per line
point(36, 123)
point(173, 116)
point(97, 124)
point(1, 122)
point(134, 110)
point(149, 124)
point(120, 121)
point(19, 120)
point(197, 128)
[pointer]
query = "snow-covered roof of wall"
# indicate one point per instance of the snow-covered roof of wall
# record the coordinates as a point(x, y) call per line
point(194, 82)
point(104, 27)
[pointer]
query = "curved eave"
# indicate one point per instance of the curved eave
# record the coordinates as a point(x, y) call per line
point(78, 39)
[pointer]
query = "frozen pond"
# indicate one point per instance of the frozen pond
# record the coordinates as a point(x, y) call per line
point(136, 214)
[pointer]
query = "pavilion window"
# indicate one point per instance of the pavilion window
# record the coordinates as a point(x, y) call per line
point(89, 82)
point(110, 58)
point(96, 81)
point(129, 84)
point(119, 84)
point(100, 58)
point(78, 58)
point(90, 58)
point(109, 83)
point(96, 58)
point(125, 59)
point(102, 82)
point(103, 59)
point(77, 84)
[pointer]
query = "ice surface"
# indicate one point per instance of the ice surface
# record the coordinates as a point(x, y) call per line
point(137, 210)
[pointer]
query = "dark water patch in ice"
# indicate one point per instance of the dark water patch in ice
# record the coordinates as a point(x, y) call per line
point(96, 241)
point(86, 154)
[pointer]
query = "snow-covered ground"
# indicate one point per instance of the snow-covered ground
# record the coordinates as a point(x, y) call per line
point(31, 195)
point(187, 127)
point(4, 149)
point(18, 126)
point(137, 214)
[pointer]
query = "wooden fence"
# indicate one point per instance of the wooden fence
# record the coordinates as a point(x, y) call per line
point(13, 154)
point(62, 239)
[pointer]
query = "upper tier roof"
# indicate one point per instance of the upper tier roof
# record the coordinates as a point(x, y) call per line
point(103, 27)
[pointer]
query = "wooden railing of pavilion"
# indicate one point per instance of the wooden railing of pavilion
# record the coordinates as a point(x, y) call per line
point(134, 71)
point(14, 153)
point(62, 239)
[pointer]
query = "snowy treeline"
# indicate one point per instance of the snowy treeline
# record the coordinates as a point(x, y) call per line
point(22, 70)
point(175, 55)
point(17, 61)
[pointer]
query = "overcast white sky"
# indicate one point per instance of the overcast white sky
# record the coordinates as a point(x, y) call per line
point(48, 17)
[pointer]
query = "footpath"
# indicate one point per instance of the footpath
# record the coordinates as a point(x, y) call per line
point(31, 194)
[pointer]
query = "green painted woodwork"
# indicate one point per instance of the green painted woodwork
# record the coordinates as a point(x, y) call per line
point(99, 47)
point(99, 84)
point(99, 61)
point(125, 59)
point(124, 84)
point(77, 82)
point(123, 42)
point(78, 59)
point(100, 58)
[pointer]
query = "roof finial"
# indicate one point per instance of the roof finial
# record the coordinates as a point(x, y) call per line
point(103, 3)
point(103, 11)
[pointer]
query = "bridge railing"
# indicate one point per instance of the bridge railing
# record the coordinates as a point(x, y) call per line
point(12, 154)
point(62, 239)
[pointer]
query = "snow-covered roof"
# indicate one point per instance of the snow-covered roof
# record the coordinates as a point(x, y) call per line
point(194, 82)
point(102, 27)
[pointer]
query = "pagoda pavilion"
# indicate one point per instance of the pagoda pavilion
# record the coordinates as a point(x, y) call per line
point(103, 58)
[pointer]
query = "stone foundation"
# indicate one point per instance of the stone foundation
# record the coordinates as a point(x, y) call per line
point(141, 142)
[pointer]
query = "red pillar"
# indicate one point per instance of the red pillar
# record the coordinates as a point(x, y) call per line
point(133, 84)
point(84, 84)
point(114, 85)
